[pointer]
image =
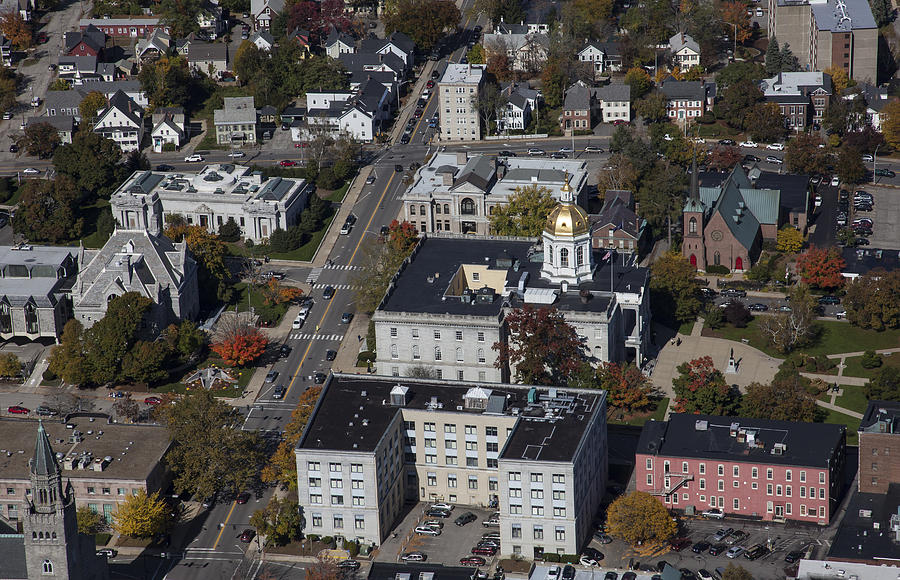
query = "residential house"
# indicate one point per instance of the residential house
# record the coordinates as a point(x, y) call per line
point(209, 58)
point(80, 69)
point(268, 115)
point(263, 11)
point(387, 78)
point(293, 114)
point(263, 40)
point(828, 33)
point(302, 38)
point(169, 127)
point(34, 284)
point(617, 227)
point(87, 42)
point(131, 27)
point(397, 44)
point(526, 52)
point(339, 43)
point(356, 114)
point(23, 7)
point(122, 121)
point(536, 26)
point(801, 96)
point(685, 51)
point(458, 89)
point(152, 47)
point(5, 51)
point(760, 468)
point(236, 121)
point(521, 102)
point(365, 62)
point(64, 124)
point(578, 109)
point(604, 57)
point(877, 98)
point(614, 101)
point(210, 20)
point(209, 198)
point(132, 88)
point(493, 445)
point(687, 100)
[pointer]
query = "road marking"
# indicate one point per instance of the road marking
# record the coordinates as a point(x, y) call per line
point(335, 286)
point(313, 336)
point(341, 267)
point(222, 530)
point(330, 302)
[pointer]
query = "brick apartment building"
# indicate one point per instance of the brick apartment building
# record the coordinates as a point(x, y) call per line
point(879, 447)
point(772, 470)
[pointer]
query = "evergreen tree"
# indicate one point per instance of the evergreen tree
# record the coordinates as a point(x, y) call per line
point(881, 11)
point(789, 62)
point(773, 58)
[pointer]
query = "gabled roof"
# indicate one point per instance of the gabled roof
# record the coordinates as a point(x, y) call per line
point(358, 61)
point(578, 97)
point(206, 51)
point(125, 105)
point(257, 6)
point(167, 122)
point(335, 36)
point(91, 36)
point(675, 89)
point(682, 40)
point(402, 42)
point(616, 212)
point(737, 215)
point(613, 92)
point(370, 94)
point(478, 171)
point(264, 36)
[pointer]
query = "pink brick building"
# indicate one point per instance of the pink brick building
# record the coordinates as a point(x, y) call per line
point(771, 470)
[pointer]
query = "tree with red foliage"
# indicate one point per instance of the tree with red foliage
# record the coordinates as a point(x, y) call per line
point(734, 13)
point(628, 390)
point(318, 18)
point(723, 157)
point(821, 267)
point(402, 236)
point(241, 345)
point(701, 388)
point(542, 346)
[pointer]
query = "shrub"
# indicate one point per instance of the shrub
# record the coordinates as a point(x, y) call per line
point(714, 317)
point(551, 557)
point(568, 558)
point(824, 364)
point(169, 147)
point(328, 540)
point(327, 179)
point(706, 119)
point(49, 375)
point(717, 269)
point(871, 360)
point(312, 537)
point(581, 132)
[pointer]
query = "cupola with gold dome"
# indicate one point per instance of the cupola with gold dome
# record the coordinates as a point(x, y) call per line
point(567, 242)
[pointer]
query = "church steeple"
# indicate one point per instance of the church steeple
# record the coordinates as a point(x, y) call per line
point(43, 462)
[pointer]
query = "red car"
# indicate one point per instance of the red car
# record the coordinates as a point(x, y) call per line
point(243, 497)
point(301, 145)
point(429, 84)
point(484, 550)
point(248, 535)
point(472, 561)
point(620, 122)
point(153, 400)
point(288, 163)
point(17, 410)
point(679, 544)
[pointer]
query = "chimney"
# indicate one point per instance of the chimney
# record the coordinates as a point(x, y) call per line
point(461, 157)
point(447, 178)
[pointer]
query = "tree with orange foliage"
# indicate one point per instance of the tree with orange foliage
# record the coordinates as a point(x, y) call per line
point(282, 466)
point(628, 390)
point(14, 27)
point(734, 13)
point(273, 292)
point(241, 346)
point(701, 388)
point(821, 267)
point(402, 236)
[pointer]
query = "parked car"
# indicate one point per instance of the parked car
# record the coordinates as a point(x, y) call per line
point(568, 572)
point(749, 144)
point(603, 538)
point(794, 556)
point(414, 557)
point(700, 547)
point(773, 159)
point(611, 576)
point(348, 564)
point(247, 535)
point(736, 537)
point(330, 354)
point(465, 518)
point(237, 154)
point(193, 158)
point(505, 153)
point(371, 179)
point(31, 171)
point(472, 561)
point(427, 531)
point(755, 307)
point(285, 350)
point(775, 146)
point(484, 550)
point(835, 181)
point(535, 151)
point(703, 574)
point(18, 410)
point(716, 549)
point(757, 551)
point(679, 544)
point(829, 300)
point(152, 401)
point(45, 411)
point(433, 523)
point(108, 552)
point(271, 376)
point(319, 378)
point(729, 142)
point(885, 173)
point(437, 513)
point(243, 497)
point(491, 523)
point(734, 292)
point(495, 536)
point(734, 552)
point(287, 163)
point(868, 158)
point(722, 533)
point(593, 149)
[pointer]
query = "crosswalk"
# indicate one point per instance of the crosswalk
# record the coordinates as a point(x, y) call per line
point(341, 267)
point(336, 286)
point(316, 336)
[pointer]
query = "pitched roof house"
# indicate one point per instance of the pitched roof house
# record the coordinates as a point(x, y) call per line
point(338, 43)
point(122, 121)
point(685, 51)
point(578, 108)
point(89, 41)
point(263, 11)
point(169, 127)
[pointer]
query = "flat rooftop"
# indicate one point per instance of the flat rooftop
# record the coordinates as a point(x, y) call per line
point(741, 439)
point(354, 411)
point(859, 261)
point(383, 571)
point(858, 538)
point(443, 264)
point(135, 449)
point(463, 74)
point(881, 417)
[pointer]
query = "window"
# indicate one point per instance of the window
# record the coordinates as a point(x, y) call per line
point(736, 471)
point(393, 332)
point(692, 226)
point(337, 483)
point(471, 430)
point(415, 352)
point(721, 470)
point(437, 334)
point(471, 462)
point(317, 520)
point(721, 485)
point(315, 482)
point(538, 532)
point(359, 501)
point(431, 478)
point(430, 459)
point(802, 476)
point(802, 491)
point(821, 477)
point(451, 480)
point(778, 490)
point(515, 492)
point(702, 484)
point(394, 353)
point(338, 522)
point(449, 444)
point(769, 473)
point(459, 335)
point(467, 207)
point(649, 463)
point(315, 498)
point(754, 473)
point(564, 257)
point(357, 484)
point(559, 495)
point(480, 336)
point(449, 460)
point(490, 431)
point(516, 530)
point(537, 478)
point(47, 567)
point(493, 484)
point(10, 491)
point(91, 490)
point(559, 478)
point(649, 479)
point(559, 512)
point(473, 482)
point(702, 469)
point(737, 504)
point(802, 509)
point(459, 354)
point(560, 533)
point(515, 476)
point(337, 500)
point(429, 427)
point(821, 493)
point(480, 354)
point(768, 489)
point(359, 522)
point(787, 475)
point(537, 494)
point(734, 483)
point(471, 446)
point(492, 447)
point(437, 353)
point(537, 510)
point(449, 428)
point(515, 509)
point(787, 491)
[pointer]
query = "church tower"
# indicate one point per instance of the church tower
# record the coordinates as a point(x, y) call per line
point(567, 242)
point(692, 246)
point(52, 543)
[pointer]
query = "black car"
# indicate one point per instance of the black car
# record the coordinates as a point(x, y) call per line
point(348, 565)
point(45, 411)
point(751, 159)
point(708, 292)
point(398, 168)
point(717, 549)
point(328, 293)
point(700, 547)
point(863, 207)
point(861, 242)
point(319, 378)
point(165, 167)
point(435, 75)
point(13, 148)
point(505, 154)
point(278, 392)
point(568, 572)
point(346, 317)
point(734, 293)
point(330, 354)
point(885, 173)
point(758, 307)
point(404, 139)
point(687, 574)
point(728, 142)
point(286, 350)
point(465, 518)
point(793, 556)
point(437, 513)
point(829, 300)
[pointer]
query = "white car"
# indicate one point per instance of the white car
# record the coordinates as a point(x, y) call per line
point(713, 513)
point(749, 144)
point(668, 137)
point(818, 201)
point(298, 322)
point(868, 158)
point(835, 181)
point(586, 561)
point(31, 171)
point(442, 506)
point(236, 154)
point(428, 531)
point(193, 158)
point(535, 151)
point(734, 552)
point(553, 573)
point(840, 314)
point(704, 574)
point(775, 146)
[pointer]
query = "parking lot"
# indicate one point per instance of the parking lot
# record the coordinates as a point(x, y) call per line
point(885, 214)
point(453, 543)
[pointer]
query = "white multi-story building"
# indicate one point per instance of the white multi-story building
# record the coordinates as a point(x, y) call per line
point(219, 191)
point(373, 443)
point(459, 88)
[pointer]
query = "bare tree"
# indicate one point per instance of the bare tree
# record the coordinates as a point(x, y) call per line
point(422, 372)
point(789, 330)
point(489, 102)
point(127, 407)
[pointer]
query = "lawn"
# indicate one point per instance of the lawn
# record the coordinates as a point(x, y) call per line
point(836, 337)
point(717, 130)
point(209, 142)
point(657, 413)
point(853, 399)
point(337, 196)
point(686, 327)
point(855, 369)
point(92, 238)
point(852, 424)
point(235, 390)
point(257, 301)
point(306, 252)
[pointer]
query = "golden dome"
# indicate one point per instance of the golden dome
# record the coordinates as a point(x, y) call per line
point(567, 219)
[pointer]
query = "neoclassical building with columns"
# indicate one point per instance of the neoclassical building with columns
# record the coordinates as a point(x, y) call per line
point(446, 306)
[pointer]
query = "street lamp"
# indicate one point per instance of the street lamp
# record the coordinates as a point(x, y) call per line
point(875, 162)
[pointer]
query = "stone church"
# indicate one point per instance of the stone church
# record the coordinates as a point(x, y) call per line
point(49, 546)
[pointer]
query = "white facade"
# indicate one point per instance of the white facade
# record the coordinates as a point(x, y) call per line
point(123, 122)
point(458, 90)
point(613, 111)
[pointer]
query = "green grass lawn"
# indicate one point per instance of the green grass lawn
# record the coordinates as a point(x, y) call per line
point(686, 327)
point(234, 390)
point(209, 142)
point(337, 196)
point(836, 337)
point(855, 369)
point(717, 130)
point(306, 252)
point(852, 424)
point(92, 238)
point(853, 399)
point(657, 412)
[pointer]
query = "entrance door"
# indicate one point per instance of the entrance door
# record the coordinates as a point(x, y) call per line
point(738, 264)
point(693, 260)
point(779, 511)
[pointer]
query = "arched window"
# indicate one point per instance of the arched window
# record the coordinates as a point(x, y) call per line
point(579, 256)
point(437, 208)
point(422, 209)
point(437, 353)
point(550, 254)
point(42, 497)
point(717, 259)
point(47, 567)
point(467, 207)
point(53, 535)
point(5, 318)
point(481, 359)
point(491, 210)
point(31, 320)
point(459, 354)
point(564, 257)
point(34, 535)
point(40, 535)
point(412, 210)
point(447, 208)
point(692, 226)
